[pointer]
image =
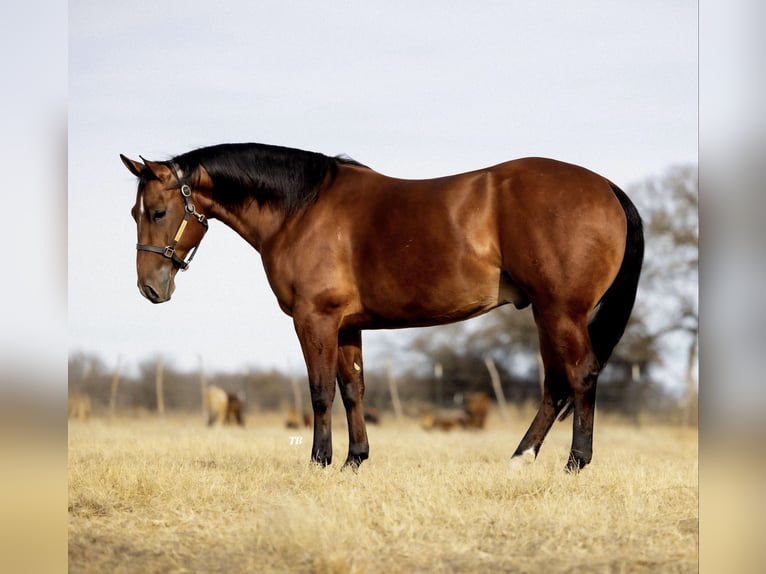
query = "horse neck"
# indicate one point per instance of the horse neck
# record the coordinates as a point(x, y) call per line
point(255, 223)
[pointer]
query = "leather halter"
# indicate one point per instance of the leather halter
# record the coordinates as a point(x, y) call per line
point(169, 251)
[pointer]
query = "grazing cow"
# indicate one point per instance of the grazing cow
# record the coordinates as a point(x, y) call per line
point(234, 410)
point(444, 420)
point(473, 415)
point(294, 421)
point(223, 407)
point(476, 406)
point(371, 415)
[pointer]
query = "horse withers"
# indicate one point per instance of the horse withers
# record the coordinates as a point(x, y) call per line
point(347, 249)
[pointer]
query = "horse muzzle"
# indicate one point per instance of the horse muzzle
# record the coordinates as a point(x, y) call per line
point(155, 293)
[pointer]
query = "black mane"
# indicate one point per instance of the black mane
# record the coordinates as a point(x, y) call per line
point(285, 178)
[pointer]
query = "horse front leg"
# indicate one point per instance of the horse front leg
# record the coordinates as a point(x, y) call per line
point(351, 383)
point(318, 335)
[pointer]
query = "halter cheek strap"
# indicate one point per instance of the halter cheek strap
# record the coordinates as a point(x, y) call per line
point(169, 251)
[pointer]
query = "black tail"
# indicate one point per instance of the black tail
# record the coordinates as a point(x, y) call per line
point(613, 313)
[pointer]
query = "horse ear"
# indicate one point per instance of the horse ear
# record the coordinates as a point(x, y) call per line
point(160, 171)
point(134, 167)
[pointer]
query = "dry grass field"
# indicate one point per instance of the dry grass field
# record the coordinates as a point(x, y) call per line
point(149, 495)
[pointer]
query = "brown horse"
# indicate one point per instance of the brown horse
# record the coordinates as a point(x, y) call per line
point(346, 249)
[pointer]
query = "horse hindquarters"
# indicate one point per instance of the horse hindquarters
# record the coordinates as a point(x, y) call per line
point(577, 267)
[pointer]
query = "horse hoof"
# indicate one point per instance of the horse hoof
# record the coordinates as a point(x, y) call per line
point(575, 464)
point(519, 461)
point(352, 465)
point(321, 461)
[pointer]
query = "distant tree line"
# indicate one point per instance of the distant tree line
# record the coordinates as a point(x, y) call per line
point(89, 375)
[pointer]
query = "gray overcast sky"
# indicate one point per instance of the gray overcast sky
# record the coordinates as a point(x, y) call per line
point(413, 89)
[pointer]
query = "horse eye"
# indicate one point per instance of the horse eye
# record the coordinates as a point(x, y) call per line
point(157, 215)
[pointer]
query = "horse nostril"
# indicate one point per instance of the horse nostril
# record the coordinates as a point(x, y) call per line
point(151, 294)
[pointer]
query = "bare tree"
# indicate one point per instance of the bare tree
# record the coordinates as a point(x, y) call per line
point(668, 299)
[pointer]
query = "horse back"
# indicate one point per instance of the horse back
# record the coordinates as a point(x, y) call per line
point(395, 253)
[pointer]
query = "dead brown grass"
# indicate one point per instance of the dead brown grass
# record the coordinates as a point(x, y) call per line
point(148, 495)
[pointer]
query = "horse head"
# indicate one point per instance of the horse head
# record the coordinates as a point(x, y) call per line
point(169, 227)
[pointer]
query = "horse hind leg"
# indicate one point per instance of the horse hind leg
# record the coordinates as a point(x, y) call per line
point(571, 341)
point(556, 396)
point(583, 378)
point(351, 384)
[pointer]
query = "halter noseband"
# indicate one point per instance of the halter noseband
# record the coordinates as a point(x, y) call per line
point(169, 251)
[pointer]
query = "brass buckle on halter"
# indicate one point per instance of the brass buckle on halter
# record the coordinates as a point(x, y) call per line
point(169, 252)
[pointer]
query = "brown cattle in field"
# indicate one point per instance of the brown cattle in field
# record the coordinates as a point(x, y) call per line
point(371, 415)
point(294, 422)
point(223, 407)
point(472, 416)
point(476, 406)
point(444, 420)
point(234, 410)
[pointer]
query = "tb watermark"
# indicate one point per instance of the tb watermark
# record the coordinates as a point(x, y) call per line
point(296, 440)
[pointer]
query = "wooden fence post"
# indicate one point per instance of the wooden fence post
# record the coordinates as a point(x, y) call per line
point(495, 378)
point(392, 388)
point(203, 389)
point(438, 375)
point(159, 374)
point(115, 384)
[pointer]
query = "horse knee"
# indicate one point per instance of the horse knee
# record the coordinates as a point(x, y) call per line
point(321, 400)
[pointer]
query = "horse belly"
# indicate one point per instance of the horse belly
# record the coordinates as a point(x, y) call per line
point(440, 266)
point(435, 299)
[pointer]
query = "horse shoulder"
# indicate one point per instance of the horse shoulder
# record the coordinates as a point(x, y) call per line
point(308, 263)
